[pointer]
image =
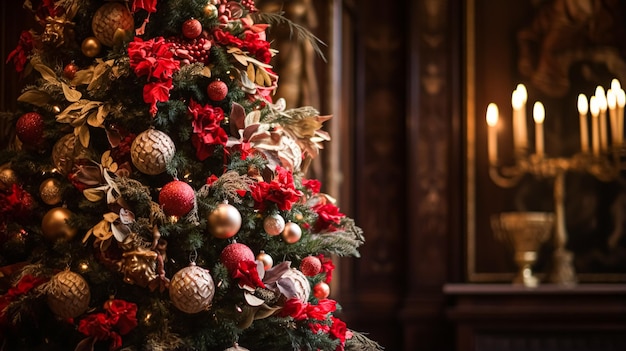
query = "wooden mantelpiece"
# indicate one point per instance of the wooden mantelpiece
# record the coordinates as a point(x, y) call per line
point(490, 317)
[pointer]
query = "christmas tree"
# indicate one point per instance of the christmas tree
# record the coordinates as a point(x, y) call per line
point(155, 197)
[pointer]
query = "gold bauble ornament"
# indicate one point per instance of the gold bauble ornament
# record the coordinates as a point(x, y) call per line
point(68, 294)
point(7, 178)
point(50, 191)
point(266, 259)
point(224, 221)
point(151, 151)
point(274, 224)
point(111, 21)
point(321, 290)
point(292, 233)
point(91, 47)
point(210, 10)
point(192, 289)
point(54, 224)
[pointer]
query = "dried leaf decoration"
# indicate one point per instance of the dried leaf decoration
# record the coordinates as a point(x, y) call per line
point(35, 97)
point(82, 114)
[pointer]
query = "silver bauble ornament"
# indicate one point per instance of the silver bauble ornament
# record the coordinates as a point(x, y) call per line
point(274, 224)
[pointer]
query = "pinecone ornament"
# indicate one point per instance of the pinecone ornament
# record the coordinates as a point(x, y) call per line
point(151, 151)
point(68, 294)
point(192, 289)
point(109, 19)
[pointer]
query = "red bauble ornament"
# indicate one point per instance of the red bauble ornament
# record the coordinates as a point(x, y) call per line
point(217, 90)
point(192, 28)
point(235, 253)
point(321, 290)
point(311, 266)
point(29, 129)
point(177, 198)
point(69, 71)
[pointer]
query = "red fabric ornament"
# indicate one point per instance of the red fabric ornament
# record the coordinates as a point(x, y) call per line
point(177, 198)
point(192, 28)
point(20, 54)
point(235, 253)
point(119, 318)
point(338, 330)
point(29, 129)
point(217, 90)
point(247, 274)
point(207, 132)
point(311, 266)
point(280, 190)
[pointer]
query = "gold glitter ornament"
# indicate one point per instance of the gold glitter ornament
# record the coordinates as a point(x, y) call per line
point(224, 221)
point(192, 289)
point(91, 47)
point(151, 151)
point(7, 178)
point(54, 224)
point(68, 294)
point(111, 21)
point(50, 191)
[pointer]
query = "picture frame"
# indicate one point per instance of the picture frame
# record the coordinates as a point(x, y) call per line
point(494, 51)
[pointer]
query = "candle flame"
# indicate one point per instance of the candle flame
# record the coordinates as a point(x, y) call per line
point(611, 99)
point(621, 97)
point(517, 99)
point(523, 93)
point(615, 84)
point(583, 106)
point(492, 114)
point(539, 113)
point(594, 107)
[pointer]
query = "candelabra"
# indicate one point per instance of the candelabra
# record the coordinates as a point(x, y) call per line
point(602, 161)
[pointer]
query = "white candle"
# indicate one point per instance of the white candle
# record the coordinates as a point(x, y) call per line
point(615, 85)
point(583, 108)
point(492, 133)
point(519, 125)
point(595, 125)
point(539, 115)
point(602, 104)
point(522, 94)
point(611, 103)
point(621, 101)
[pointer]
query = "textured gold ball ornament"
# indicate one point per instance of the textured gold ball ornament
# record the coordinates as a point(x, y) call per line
point(274, 224)
point(224, 221)
point(7, 178)
point(292, 233)
point(54, 224)
point(91, 47)
point(192, 289)
point(68, 294)
point(151, 151)
point(111, 19)
point(266, 259)
point(50, 191)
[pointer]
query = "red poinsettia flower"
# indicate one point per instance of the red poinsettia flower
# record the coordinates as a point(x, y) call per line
point(338, 330)
point(154, 59)
point(247, 274)
point(119, 318)
point(327, 267)
point(23, 286)
point(327, 216)
point(20, 54)
point(301, 311)
point(313, 185)
point(207, 132)
point(280, 191)
point(15, 204)
point(257, 47)
point(148, 5)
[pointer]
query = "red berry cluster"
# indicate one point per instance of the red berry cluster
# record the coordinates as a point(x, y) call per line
point(191, 50)
point(249, 4)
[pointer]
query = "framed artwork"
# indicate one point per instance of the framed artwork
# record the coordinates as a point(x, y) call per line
point(558, 49)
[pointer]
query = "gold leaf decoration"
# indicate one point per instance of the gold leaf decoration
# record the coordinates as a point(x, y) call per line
point(35, 97)
point(71, 95)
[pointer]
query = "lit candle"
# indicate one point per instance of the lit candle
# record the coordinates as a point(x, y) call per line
point(583, 108)
point(492, 133)
point(615, 85)
point(595, 125)
point(611, 103)
point(523, 133)
point(539, 115)
point(518, 139)
point(601, 98)
point(621, 101)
